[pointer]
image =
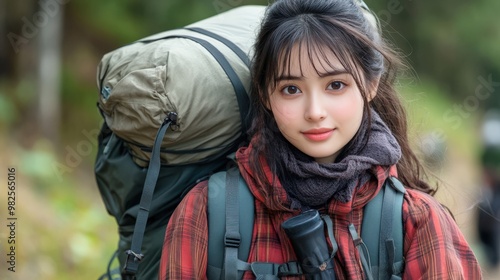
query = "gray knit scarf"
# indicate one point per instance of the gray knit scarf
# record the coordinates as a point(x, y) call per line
point(310, 184)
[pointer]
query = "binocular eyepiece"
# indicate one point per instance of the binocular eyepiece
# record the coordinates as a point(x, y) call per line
point(306, 232)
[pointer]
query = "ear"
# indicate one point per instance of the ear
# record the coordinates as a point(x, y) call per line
point(372, 89)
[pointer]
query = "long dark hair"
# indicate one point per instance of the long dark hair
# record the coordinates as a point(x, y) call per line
point(350, 32)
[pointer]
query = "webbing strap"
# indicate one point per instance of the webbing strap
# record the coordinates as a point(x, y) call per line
point(290, 269)
point(273, 271)
point(391, 226)
point(232, 237)
point(394, 246)
point(386, 242)
point(217, 223)
point(237, 50)
point(265, 271)
point(363, 252)
point(134, 255)
point(239, 89)
point(329, 227)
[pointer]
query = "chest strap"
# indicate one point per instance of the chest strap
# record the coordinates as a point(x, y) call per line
point(273, 271)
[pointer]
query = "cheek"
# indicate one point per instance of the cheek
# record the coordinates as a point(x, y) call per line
point(342, 112)
point(349, 109)
point(352, 105)
point(283, 113)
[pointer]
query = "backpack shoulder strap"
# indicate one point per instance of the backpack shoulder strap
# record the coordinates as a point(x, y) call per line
point(382, 231)
point(229, 197)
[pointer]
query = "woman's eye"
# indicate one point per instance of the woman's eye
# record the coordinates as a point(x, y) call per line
point(291, 90)
point(337, 85)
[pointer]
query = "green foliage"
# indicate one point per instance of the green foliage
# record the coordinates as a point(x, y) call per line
point(79, 109)
point(431, 113)
point(451, 41)
point(7, 112)
point(117, 20)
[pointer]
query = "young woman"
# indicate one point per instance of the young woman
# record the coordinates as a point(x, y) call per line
point(328, 130)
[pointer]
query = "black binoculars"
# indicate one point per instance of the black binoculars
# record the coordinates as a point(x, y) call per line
point(306, 232)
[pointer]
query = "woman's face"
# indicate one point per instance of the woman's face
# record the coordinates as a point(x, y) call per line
point(318, 113)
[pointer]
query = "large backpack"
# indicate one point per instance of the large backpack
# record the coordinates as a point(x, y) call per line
point(380, 245)
point(174, 105)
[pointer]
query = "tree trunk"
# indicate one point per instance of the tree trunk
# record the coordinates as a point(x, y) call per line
point(3, 45)
point(49, 76)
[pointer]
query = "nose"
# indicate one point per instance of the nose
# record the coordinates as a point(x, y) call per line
point(315, 108)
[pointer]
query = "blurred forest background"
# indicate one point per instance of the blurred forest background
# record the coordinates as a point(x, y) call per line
point(49, 51)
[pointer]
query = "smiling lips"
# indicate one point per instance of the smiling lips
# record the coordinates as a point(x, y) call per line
point(319, 134)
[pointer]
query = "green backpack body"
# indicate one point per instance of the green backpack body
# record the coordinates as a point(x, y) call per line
point(380, 246)
point(174, 105)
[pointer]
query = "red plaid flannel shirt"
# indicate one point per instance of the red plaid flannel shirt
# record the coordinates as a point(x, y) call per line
point(434, 247)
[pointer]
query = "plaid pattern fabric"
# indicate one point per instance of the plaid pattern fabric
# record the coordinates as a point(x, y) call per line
point(184, 254)
point(434, 247)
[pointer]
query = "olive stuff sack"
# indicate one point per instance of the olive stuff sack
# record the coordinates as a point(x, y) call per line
point(174, 105)
point(230, 214)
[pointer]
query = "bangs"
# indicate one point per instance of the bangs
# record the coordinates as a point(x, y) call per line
point(318, 39)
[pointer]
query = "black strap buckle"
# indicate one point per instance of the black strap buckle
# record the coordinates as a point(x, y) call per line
point(137, 257)
point(290, 269)
point(232, 240)
point(131, 265)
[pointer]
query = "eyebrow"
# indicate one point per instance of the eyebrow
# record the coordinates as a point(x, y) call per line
point(321, 74)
